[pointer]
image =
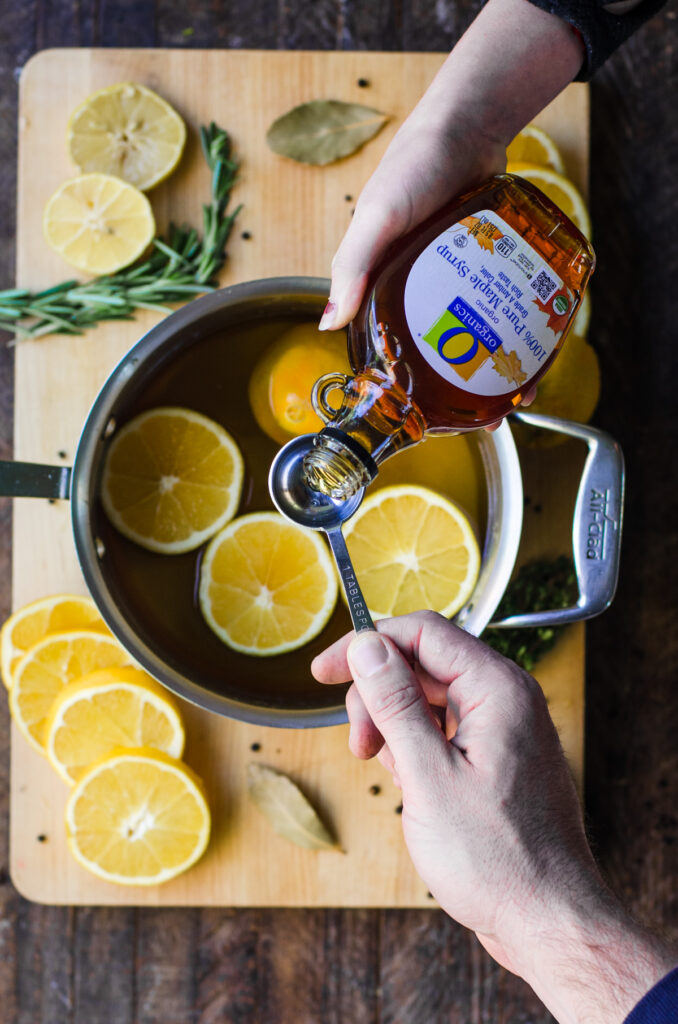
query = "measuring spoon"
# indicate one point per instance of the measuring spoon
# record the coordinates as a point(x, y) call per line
point(301, 505)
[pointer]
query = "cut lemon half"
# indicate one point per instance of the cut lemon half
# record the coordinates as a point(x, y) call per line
point(51, 664)
point(137, 817)
point(266, 586)
point(98, 223)
point(560, 190)
point(532, 145)
point(412, 549)
point(109, 708)
point(31, 623)
point(129, 131)
point(172, 478)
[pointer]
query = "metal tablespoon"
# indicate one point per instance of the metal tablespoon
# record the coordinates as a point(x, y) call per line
point(301, 505)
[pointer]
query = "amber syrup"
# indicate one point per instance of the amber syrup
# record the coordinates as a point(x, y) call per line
point(461, 319)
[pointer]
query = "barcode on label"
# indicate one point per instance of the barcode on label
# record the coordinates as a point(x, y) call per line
point(543, 285)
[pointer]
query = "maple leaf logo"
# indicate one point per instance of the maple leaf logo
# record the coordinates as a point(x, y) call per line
point(508, 365)
point(556, 321)
point(484, 231)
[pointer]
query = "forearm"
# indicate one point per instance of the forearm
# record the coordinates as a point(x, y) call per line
point(596, 963)
point(510, 63)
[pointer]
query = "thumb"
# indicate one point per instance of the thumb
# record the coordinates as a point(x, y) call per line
point(396, 704)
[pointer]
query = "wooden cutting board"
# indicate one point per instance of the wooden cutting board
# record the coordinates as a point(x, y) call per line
point(295, 216)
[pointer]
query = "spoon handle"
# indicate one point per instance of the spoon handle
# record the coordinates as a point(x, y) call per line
point(356, 602)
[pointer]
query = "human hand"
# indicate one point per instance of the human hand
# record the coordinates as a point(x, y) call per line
point(488, 802)
point(509, 64)
point(427, 163)
point(490, 814)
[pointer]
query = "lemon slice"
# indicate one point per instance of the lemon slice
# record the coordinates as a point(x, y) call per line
point(109, 708)
point(129, 131)
point(560, 190)
point(570, 390)
point(51, 664)
point(35, 620)
point(98, 223)
point(412, 549)
point(172, 478)
point(266, 586)
point(137, 817)
point(282, 381)
point(533, 146)
point(580, 326)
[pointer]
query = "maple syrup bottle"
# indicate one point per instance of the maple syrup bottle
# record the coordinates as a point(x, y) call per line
point(462, 317)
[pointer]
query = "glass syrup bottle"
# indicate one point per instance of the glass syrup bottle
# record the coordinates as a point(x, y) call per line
point(463, 316)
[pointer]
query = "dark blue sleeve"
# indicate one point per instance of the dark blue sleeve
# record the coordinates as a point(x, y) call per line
point(659, 1005)
point(602, 24)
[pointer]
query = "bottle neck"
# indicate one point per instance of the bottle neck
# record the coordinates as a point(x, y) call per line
point(377, 418)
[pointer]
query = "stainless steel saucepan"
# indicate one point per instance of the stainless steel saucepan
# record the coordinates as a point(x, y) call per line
point(237, 687)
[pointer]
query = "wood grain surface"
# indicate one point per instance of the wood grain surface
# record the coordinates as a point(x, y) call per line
point(293, 215)
point(122, 965)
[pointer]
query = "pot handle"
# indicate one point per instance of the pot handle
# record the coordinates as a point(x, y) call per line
point(596, 526)
point(34, 480)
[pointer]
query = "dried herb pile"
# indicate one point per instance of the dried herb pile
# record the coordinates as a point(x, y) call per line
point(538, 586)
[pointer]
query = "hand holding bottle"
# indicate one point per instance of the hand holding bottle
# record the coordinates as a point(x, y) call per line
point(490, 814)
point(508, 65)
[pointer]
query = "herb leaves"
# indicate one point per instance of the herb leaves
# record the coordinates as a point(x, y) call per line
point(322, 131)
point(182, 266)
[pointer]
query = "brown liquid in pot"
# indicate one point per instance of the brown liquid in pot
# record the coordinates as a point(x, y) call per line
point(158, 593)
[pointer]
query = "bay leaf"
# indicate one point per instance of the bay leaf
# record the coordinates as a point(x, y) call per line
point(287, 809)
point(322, 131)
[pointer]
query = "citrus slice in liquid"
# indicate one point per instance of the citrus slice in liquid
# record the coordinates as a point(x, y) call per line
point(138, 817)
point(282, 380)
point(129, 131)
point(266, 586)
point(106, 709)
point(412, 549)
point(98, 223)
point(172, 479)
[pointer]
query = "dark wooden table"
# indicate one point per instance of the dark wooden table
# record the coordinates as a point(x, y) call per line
point(117, 966)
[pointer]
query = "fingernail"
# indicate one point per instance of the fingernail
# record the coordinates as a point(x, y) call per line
point(327, 319)
point(367, 653)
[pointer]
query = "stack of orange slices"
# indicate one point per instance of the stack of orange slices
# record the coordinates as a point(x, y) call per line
point(136, 815)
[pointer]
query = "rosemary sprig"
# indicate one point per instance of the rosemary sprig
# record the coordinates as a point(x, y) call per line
point(536, 587)
point(181, 266)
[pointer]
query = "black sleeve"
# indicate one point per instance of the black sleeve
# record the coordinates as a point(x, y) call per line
point(602, 26)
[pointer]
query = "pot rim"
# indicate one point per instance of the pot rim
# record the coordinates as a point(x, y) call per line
point(500, 547)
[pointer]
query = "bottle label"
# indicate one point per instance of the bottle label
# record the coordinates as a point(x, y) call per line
point(483, 307)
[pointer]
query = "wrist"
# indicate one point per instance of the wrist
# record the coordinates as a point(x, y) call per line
point(591, 961)
point(511, 62)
